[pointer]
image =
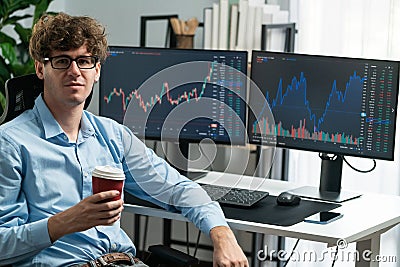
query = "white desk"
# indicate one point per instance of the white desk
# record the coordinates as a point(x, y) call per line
point(364, 220)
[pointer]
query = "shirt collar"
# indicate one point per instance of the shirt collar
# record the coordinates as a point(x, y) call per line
point(51, 126)
point(87, 128)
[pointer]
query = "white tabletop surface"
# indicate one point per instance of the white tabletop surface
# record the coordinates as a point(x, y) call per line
point(364, 217)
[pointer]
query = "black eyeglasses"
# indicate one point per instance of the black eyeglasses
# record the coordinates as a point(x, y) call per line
point(64, 62)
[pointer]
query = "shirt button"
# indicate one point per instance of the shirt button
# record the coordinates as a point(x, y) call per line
point(114, 246)
point(65, 137)
point(85, 174)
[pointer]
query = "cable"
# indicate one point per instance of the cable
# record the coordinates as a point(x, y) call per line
point(334, 258)
point(197, 243)
point(325, 156)
point(358, 170)
point(188, 243)
point(291, 253)
point(187, 238)
point(294, 247)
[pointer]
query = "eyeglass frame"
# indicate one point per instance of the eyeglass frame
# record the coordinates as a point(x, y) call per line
point(96, 59)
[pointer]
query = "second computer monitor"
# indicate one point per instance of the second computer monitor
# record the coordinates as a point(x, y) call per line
point(333, 105)
point(344, 106)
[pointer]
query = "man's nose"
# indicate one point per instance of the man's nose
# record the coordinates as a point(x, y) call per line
point(74, 69)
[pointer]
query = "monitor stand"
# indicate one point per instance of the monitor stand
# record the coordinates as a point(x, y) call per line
point(183, 146)
point(330, 182)
point(315, 193)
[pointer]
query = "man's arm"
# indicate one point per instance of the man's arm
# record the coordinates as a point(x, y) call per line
point(227, 251)
point(19, 237)
point(151, 178)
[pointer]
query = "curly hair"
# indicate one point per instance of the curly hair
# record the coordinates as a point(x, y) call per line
point(63, 32)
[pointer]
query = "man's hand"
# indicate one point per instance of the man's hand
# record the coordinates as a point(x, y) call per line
point(92, 211)
point(227, 252)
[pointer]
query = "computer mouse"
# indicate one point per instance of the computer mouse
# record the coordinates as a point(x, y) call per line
point(287, 199)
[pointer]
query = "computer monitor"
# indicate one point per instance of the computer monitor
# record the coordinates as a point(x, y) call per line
point(178, 95)
point(333, 105)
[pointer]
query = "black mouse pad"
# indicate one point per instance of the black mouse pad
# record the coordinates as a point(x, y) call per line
point(267, 211)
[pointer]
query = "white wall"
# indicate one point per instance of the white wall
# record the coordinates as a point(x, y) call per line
point(122, 17)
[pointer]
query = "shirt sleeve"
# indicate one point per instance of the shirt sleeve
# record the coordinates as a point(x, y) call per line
point(151, 178)
point(19, 237)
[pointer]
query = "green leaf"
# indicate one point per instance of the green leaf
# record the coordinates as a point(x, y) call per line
point(4, 38)
point(12, 20)
point(2, 102)
point(22, 69)
point(23, 33)
point(22, 53)
point(40, 9)
point(11, 6)
point(15, 59)
point(4, 76)
point(5, 73)
point(8, 52)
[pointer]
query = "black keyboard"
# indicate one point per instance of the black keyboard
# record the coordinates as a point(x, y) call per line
point(234, 196)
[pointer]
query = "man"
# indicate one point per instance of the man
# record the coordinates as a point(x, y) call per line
point(48, 215)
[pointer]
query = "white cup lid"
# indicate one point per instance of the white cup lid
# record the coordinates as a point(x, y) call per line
point(108, 172)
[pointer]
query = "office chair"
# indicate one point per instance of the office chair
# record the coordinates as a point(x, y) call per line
point(21, 93)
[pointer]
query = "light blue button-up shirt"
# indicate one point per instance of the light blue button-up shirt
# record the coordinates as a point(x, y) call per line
point(42, 173)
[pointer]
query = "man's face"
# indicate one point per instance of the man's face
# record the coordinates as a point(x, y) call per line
point(64, 88)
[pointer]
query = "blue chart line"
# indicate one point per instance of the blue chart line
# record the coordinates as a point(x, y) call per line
point(297, 92)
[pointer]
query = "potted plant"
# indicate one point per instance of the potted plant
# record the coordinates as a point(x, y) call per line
point(14, 51)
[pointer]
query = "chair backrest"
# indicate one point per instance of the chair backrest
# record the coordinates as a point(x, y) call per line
point(21, 93)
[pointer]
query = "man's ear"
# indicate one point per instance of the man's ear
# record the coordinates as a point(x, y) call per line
point(97, 76)
point(39, 68)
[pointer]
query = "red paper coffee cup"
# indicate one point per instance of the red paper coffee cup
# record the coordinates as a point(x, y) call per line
point(106, 178)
